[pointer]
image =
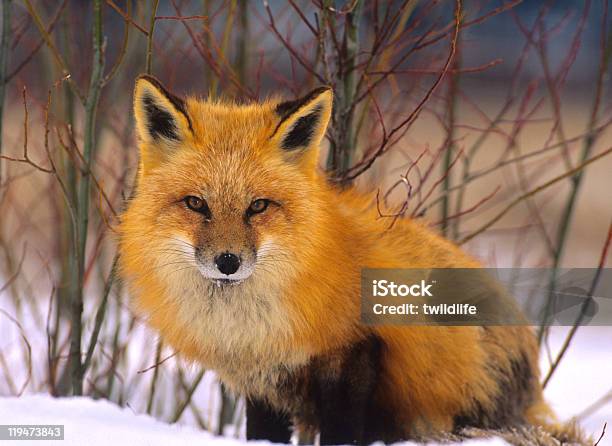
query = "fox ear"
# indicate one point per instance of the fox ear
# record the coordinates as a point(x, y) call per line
point(161, 117)
point(303, 121)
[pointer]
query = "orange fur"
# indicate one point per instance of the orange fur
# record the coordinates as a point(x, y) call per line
point(302, 299)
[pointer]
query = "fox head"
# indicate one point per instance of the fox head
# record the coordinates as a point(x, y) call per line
point(225, 192)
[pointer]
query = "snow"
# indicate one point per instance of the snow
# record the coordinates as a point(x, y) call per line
point(583, 376)
point(98, 422)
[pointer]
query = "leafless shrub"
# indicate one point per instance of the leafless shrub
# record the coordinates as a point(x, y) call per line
point(409, 120)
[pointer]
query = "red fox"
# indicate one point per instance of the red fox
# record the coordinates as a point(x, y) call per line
point(247, 260)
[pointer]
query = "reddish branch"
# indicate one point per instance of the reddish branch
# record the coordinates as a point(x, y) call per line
point(361, 167)
point(126, 17)
point(37, 47)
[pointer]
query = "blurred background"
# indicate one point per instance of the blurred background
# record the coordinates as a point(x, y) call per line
point(491, 120)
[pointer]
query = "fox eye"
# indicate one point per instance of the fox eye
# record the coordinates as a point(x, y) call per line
point(197, 204)
point(258, 206)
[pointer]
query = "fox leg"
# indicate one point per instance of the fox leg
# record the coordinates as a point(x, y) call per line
point(343, 392)
point(340, 419)
point(265, 423)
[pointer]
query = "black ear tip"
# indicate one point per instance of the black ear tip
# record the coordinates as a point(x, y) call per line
point(316, 93)
point(323, 88)
point(152, 80)
point(286, 108)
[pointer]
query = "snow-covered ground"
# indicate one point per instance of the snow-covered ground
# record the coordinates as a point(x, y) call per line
point(584, 376)
point(92, 423)
point(98, 422)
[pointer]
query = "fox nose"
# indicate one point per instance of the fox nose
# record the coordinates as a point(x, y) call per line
point(227, 263)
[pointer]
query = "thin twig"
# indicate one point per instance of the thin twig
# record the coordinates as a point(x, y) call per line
point(100, 313)
point(153, 388)
point(533, 192)
point(603, 432)
point(583, 309)
point(149, 62)
point(157, 364)
point(188, 397)
point(28, 349)
point(38, 46)
point(364, 165)
point(127, 17)
point(124, 45)
point(4, 44)
point(56, 54)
